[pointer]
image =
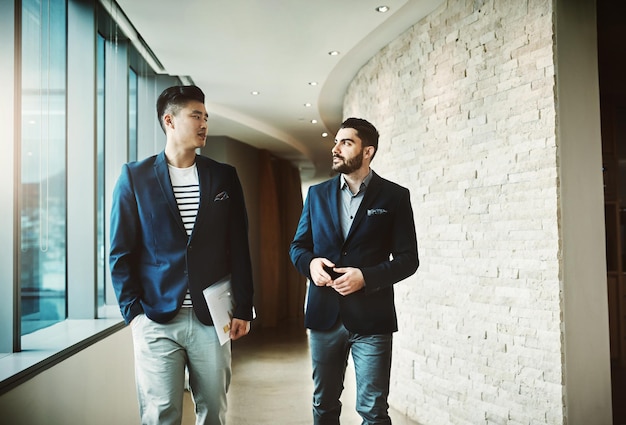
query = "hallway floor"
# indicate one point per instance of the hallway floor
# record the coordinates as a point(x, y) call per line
point(272, 383)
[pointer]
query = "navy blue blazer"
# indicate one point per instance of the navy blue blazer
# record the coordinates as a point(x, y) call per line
point(152, 259)
point(381, 242)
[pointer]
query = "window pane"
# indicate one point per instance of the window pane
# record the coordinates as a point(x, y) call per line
point(101, 66)
point(43, 171)
point(132, 114)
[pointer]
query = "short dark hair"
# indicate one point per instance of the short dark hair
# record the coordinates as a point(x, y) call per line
point(174, 98)
point(365, 130)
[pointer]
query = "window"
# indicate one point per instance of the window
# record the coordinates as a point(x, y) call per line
point(133, 84)
point(100, 204)
point(69, 144)
point(42, 257)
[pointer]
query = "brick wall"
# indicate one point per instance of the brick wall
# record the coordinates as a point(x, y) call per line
point(465, 105)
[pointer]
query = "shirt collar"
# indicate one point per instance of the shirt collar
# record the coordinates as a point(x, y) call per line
point(366, 181)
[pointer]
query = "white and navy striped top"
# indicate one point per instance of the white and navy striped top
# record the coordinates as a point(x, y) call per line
point(187, 194)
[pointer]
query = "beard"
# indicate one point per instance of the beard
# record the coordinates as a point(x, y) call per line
point(348, 165)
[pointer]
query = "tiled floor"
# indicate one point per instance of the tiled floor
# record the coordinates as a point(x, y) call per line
point(272, 383)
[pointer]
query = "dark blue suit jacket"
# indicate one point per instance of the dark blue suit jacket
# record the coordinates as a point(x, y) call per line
point(152, 259)
point(381, 242)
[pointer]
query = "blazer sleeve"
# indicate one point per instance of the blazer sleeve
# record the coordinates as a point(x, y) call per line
point(124, 237)
point(241, 267)
point(301, 248)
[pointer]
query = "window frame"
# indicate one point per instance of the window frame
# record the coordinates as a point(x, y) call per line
point(9, 104)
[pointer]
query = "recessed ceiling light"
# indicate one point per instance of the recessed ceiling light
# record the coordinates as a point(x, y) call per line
point(324, 134)
point(307, 105)
point(333, 53)
point(313, 121)
point(313, 83)
point(382, 9)
point(255, 93)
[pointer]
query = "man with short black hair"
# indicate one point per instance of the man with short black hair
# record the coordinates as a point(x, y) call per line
point(178, 225)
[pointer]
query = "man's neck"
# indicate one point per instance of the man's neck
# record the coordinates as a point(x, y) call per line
point(180, 158)
point(355, 178)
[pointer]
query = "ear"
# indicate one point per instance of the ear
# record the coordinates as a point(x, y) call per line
point(369, 151)
point(168, 120)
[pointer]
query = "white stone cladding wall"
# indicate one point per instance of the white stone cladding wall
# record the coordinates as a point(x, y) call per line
point(465, 104)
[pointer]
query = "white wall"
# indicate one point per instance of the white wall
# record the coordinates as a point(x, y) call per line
point(585, 305)
point(96, 387)
point(492, 327)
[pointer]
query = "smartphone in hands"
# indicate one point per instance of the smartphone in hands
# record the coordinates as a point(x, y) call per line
point(333, 274)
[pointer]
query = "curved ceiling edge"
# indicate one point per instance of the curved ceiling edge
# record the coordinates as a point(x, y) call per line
point(258, 126)
point(332, 92)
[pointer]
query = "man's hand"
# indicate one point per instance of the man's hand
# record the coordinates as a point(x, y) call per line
point(349, 282)
point(238, 328)
point(318, 274)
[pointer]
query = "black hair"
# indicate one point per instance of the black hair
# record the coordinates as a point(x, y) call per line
point(172, 99)
point(365, 130)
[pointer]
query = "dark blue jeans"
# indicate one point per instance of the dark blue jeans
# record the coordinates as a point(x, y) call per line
point(371, 355)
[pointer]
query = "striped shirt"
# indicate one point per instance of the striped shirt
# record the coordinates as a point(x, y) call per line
point(187, 194)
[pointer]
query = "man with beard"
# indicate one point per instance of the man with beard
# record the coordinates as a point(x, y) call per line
point(355, 240)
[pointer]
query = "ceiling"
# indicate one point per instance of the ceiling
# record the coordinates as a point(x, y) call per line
point(231, 48)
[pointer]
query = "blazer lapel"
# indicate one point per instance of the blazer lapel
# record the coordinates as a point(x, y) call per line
point(207, 183)
point(162, 174)
point(332, 195)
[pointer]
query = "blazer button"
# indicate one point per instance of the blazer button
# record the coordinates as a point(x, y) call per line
point(190, 248)
point(344, 253)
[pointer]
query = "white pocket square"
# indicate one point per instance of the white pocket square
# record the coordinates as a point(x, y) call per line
point(222, 196)
point(376, 211)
